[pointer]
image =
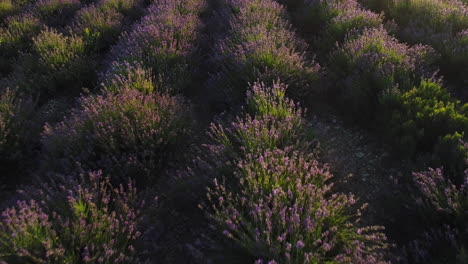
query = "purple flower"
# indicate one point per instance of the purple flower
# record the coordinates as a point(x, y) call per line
point(300, 244)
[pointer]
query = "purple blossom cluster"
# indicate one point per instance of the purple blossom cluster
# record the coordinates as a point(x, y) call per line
point(274, 200)
point(164, 44)
point(439, 193)
point(259, 43)
point(128, 134)
point(86, 220)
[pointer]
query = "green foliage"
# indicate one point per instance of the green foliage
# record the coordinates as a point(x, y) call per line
point(427, 119)
point(56, 50)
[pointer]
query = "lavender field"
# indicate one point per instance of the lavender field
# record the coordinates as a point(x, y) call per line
point(234, 131)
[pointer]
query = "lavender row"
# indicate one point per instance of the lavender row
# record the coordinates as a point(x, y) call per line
point(161, 52)
point(57, 64)
point(17, 33)
point(10, 8)
point(65, 61)
point(257, 42)
point(271, 198)
point(442, 24)
point(386, 84)
point(128, 134)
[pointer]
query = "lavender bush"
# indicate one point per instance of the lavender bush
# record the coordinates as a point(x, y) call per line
point(372, 66)
point(280, 214)
point(100, 27)
point(273, 200)
point(56, 12)
point(259, 43)
point(15, 126)
point(446, 204)
point(273, 122)
point(83, 221)
point(163, 43)
point(100, 24)
point(15, 37)
point(128, 134)
point(334, 20)
point(60, 61)
point(129, 8)
point(438, 23)
point(128, 76)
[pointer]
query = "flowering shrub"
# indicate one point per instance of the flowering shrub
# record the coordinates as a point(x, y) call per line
point(279, 213)
point(335, 19)
point(56, 12)
point(444, 197)
point(163, 43)
point(129, 8)
point(273, 121)
point(99, 26)
point(272, 199)
point(83, 221)
point(435, 16)
point(127, 76)
point(373, 65)
point(128, 134)
point(259, 44)
point(447, 205)
point(438, 23)
point(15, 126)
point(62, 60)
point(15, 37)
